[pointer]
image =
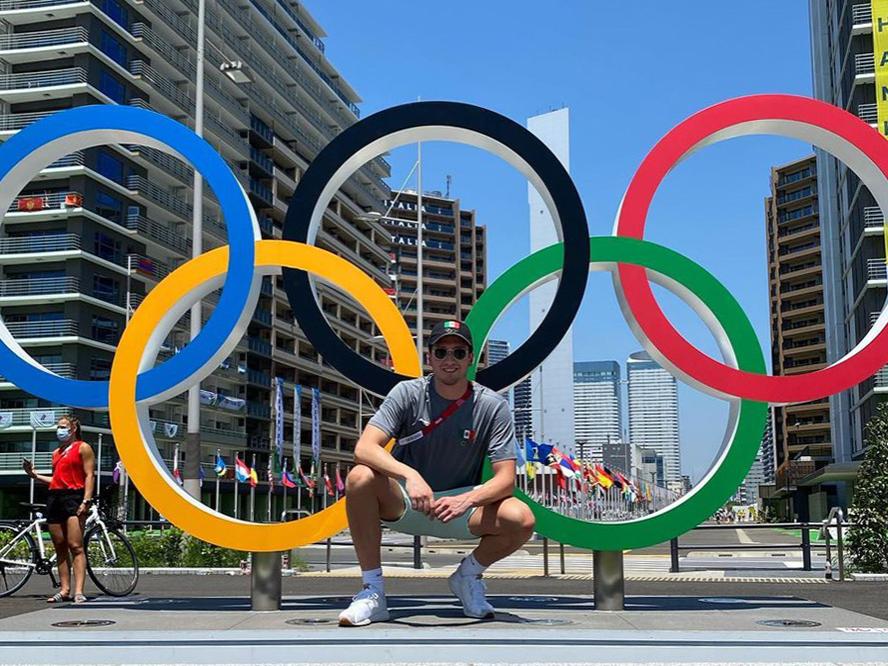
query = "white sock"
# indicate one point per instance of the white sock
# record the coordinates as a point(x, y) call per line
point(373, 578)
point(470, 566)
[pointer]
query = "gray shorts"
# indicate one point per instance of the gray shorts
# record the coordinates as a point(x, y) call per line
point(419, 524)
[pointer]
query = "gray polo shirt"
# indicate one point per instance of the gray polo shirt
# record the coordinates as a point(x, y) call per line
point(451, 456)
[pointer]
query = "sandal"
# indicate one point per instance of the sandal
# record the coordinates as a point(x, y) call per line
point(58, 598)
point(80, 598)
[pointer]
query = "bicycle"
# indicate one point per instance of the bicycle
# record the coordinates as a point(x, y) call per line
point(110, 558)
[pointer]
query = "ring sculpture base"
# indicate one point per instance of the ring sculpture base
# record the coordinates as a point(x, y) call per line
point(265, 581)
point(607, 579)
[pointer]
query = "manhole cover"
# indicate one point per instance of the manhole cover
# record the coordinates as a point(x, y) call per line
point(83, 623)
point(788, 623)
point(524, 600)
point(309, 620)
point(722, 600)
point(549, 622)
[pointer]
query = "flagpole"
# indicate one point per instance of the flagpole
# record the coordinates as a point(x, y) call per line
point(270, 492)
point(252, 491)
point(99, 469)
point(218, 455)
point(236, 485)
point(284, 471)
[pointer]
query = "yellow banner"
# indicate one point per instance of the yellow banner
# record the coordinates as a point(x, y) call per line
point(880, 55)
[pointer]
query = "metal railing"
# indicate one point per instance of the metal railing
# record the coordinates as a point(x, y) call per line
point(42, 329)
point(861, 14)
point(29, 80)
point(873, 217)
point(159, 233)
point(864, 63)
point(68, 284)
point(34, 203)
point(12, 5)
point(868, 113)
point(54, 243)
point(40, 38)
point(875, 269)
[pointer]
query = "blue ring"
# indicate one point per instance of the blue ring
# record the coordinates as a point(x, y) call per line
point(241, 237)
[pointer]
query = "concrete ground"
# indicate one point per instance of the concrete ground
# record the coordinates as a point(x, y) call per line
point(207, 619)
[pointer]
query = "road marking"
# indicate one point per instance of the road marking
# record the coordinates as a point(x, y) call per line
point(744, 537)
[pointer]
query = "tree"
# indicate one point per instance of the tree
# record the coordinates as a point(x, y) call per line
point(868, 539)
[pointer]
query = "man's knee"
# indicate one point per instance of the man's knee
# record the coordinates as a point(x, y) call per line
point(516, 517)
point(360, 478)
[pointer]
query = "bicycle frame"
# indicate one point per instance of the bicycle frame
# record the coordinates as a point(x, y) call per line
point(36, 526)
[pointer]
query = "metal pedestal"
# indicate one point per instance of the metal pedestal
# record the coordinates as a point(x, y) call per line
point(607, 574)
point(265, 582)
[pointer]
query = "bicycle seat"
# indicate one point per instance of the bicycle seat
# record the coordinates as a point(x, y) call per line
point(32, 507)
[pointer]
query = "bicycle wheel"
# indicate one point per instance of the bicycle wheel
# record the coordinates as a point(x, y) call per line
point(111, 561)
point(18, 556)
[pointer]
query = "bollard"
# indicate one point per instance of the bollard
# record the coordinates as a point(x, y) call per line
point(828, 566)
point(265, 582)
point(329, 549)
point(673, 554)
point(806, 549)
point(607, 579)
point(840, 551)
point(545, 556)
point(417, 552)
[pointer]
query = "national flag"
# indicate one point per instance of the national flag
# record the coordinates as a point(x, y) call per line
point(254, 478)
point(287, 480)
point(521, 458)
point(221, 468)
point(178, 477)
point(562, 481)
point(242, 470)
point(270, 476)
point(116, 473)
point(537, 452)
point(328, 485)
point(201, 475)
point(566, 468)
point(31, 204)
point(530, 470)
point(340, 484)
point(307, 482)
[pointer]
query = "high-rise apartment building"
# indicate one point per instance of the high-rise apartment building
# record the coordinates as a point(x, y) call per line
point(454, 273)
point(653, 414)
point(522, 408)
point(103, 225)
point(802, 433)
point(597, 407)
point(852, 226)
point(497, 350)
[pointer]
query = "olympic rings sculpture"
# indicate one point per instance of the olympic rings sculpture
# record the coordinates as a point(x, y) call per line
point(136, 382)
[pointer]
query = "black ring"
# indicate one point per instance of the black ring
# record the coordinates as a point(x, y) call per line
point(575, 232)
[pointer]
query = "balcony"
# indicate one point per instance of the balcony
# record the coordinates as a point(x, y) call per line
point(21, 47)
point(862, 15)
point(798, 249)
point(39, 244)
point(868, 113)
point(258, 410)
point(68, 284)
point(259, 346)
point(42, 329)
point(261, 192)
point(160, 234)
point(36, 203)
point(19, 5)
point(875, 269)
point(873, 217)
point(13, 122)
point(67, 370)
point(159, 196)
point(865, 65)
point(32, 86)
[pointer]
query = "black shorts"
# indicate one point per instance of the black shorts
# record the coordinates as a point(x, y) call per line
point(62, 504)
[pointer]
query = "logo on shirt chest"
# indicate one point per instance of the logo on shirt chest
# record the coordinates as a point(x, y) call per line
point(468, 437)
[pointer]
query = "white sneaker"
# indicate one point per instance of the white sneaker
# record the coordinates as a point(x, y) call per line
point(367, 606)
point(471, 591)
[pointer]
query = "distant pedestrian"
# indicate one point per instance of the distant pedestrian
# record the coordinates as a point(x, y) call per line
point(71, 489)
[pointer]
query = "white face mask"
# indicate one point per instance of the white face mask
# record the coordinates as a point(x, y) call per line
point(63, 434)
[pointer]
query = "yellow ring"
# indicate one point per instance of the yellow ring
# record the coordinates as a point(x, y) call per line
point(156, 486)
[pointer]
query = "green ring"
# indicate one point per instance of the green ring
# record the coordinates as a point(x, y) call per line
point(723, 480)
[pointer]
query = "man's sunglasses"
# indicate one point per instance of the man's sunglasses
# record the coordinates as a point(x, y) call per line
point(459, 353)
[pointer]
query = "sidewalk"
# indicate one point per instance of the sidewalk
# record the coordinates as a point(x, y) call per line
point(431, 629)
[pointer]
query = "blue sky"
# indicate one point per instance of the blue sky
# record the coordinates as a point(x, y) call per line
point(628, 72)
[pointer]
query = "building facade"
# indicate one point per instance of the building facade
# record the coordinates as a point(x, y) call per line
point(552, 385)
point(497, 350)
point(598, 414)
point(802, 432)
point(99, 228)
point(454, 272)
point(653, 415)
point(522, 410)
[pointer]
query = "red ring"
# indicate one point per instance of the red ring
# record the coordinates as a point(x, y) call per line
point(640, 298)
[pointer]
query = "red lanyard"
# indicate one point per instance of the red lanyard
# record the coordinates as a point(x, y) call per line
point(449, 411)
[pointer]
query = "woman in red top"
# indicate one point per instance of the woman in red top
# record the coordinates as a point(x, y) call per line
point(70, 492)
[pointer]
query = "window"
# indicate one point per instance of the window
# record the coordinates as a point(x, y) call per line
point(106, 288)
point(115, 10)
point(99, 369)
point(105, 330)
point(109, 207)
point(106, 247)
point(109, 166)
point(112, 87)
point(112, 48)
